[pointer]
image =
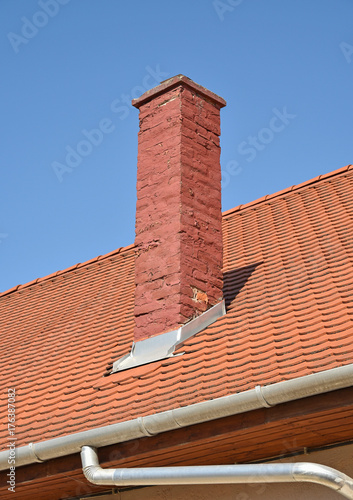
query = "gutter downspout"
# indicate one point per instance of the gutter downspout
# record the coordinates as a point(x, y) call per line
point(216, 474)
point(150, 425)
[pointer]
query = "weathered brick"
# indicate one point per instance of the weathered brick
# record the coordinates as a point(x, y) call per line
point(178, 210)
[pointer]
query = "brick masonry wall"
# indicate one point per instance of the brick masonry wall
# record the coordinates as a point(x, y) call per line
point(178, 268)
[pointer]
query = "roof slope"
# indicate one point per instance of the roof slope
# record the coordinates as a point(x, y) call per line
point(288, 269)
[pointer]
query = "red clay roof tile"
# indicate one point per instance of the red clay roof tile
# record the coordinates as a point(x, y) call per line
point(288, 284)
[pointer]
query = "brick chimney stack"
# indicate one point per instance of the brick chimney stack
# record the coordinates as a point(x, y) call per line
point(178, 267)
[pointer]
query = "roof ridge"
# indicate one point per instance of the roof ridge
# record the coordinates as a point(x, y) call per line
point(295, 187)
point(68, 269)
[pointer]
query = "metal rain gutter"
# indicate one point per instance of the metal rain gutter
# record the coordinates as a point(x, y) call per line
point(216, 474)
point(150, 425)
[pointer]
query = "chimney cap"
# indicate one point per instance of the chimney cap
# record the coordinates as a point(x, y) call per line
point(173, 82)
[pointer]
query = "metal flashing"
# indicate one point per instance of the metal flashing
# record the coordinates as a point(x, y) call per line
point(163, 346)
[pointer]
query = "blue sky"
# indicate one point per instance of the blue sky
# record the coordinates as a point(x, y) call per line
point(71, 66)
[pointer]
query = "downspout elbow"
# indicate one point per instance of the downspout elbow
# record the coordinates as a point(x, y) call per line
point(92, 471)
point(326, 476)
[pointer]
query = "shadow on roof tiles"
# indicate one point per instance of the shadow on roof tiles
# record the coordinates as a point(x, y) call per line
point(235, 280)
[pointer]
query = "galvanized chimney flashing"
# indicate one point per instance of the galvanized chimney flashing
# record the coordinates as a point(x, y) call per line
point(163, 346)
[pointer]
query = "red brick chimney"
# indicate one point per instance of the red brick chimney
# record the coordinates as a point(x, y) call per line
point(178, 268)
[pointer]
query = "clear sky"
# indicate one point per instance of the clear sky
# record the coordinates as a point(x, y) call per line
point(285, 68)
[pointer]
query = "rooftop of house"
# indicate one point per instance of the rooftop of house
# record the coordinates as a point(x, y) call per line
point(288, 283)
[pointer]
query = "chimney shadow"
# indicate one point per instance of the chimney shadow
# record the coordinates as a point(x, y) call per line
point(234, 281)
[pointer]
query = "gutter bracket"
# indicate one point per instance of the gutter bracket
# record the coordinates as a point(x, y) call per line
point(31, 446)
point(261, 397)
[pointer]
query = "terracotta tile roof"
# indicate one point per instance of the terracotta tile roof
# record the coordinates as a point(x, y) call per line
point(288, 287)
